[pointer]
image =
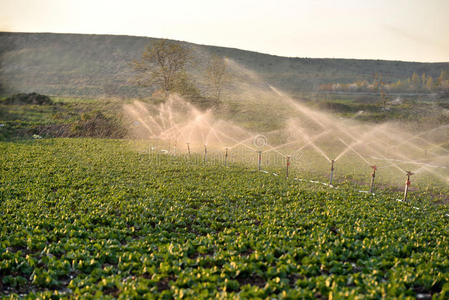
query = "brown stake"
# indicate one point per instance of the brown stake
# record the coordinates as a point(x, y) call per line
point(226, 157)
point(407, 184)
point(373, 175)
point(332, 172)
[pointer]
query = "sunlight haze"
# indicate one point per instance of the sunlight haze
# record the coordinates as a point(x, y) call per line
point(393, 30)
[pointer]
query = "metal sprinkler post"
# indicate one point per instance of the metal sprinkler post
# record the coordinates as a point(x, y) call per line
point(259, 153)
point(373, 175)
point(332, 172)
point(205, 152)
point(407, 184)
point(188, 148)
point(226, 157)
point(288, 163)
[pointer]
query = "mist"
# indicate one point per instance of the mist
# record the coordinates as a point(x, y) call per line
point(313, 140)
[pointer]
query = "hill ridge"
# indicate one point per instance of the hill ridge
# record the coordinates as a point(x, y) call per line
point(75, 64)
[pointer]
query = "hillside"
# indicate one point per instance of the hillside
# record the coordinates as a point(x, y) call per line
point(95, 65)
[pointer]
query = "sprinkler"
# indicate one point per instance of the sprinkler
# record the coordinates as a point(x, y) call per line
point(373, 175)
point(152, 151)
point(288, 163)
point(188, 148)
point(174, 146)
point(332, 172)
point(205, 152)
point(259, 153)
point(407, 184)
point(226, 157)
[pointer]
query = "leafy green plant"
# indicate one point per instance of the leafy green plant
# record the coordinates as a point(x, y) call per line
point(93, 218)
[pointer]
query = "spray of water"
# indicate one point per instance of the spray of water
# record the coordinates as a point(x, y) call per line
point(302, 132)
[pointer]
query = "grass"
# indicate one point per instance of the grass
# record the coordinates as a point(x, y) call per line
point(23, 121)
point(427, 112)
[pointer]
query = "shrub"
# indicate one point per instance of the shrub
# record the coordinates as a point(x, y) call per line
point(31, 98)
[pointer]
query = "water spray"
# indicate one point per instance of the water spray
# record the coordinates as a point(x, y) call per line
point(259, 153)
point(188, 148)
point(373, 175)
point(332, 172)
point(205, 152)
point(288, 164)
point(407, 184)
point(226, 157)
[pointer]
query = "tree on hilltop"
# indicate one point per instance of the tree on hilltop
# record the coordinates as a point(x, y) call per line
point(163, 64)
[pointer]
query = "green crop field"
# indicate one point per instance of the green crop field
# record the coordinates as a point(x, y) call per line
point(92, 217)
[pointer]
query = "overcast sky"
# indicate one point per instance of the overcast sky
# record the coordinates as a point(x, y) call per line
point(411, 30)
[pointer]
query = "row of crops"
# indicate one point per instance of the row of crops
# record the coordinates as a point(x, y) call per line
point(87, 217)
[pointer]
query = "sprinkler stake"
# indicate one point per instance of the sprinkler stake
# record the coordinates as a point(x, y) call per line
point(407, 184)
point(205, 153)
point(226, 157)
point(373, 175)
point(288, 163)
point(332, 172)
point(259, 159)
point(188, 148)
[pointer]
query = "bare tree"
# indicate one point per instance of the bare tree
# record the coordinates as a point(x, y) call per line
point(217, 76)
point(161, 64)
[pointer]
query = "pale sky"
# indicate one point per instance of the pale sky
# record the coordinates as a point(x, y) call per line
point(411, 30)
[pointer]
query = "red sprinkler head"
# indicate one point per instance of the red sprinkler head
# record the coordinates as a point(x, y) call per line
point(408, 173)
point(374, 168)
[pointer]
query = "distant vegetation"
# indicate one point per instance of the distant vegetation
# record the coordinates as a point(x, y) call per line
point(415, 83)
point(84, 117)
